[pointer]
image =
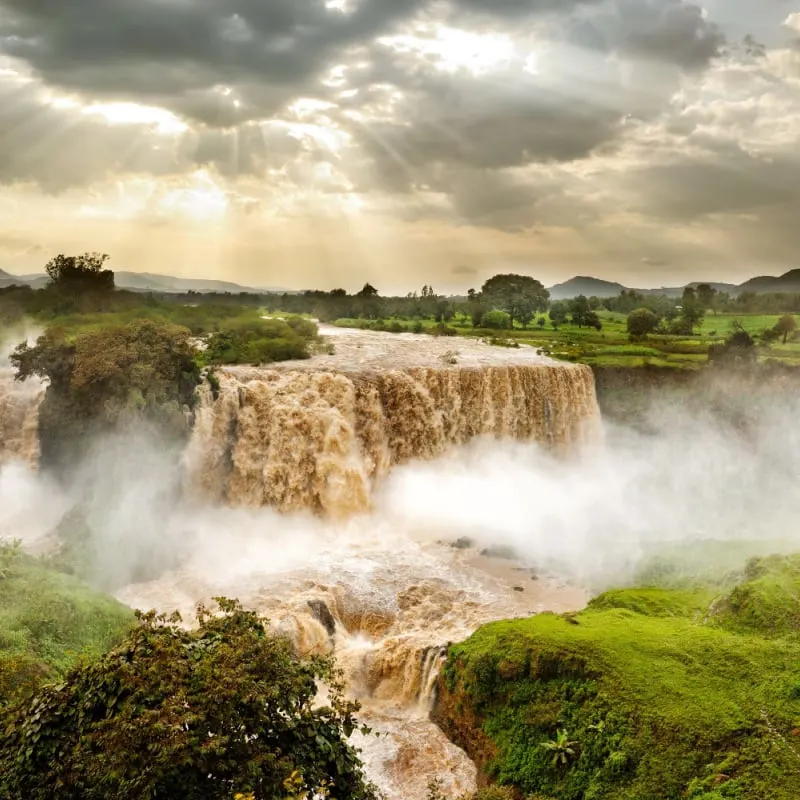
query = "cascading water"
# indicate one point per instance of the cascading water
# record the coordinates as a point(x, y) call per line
point(320, 434)
point(383, 595)
point(19, 415)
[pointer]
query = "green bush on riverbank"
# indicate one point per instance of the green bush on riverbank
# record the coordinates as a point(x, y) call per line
point(659, 694)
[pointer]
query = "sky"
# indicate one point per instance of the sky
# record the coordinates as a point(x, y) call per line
point(325, 143)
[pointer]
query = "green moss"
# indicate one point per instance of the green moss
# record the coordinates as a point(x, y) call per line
point(655, 601)
point(768, 601)
point(666, 694)
point(48, 621)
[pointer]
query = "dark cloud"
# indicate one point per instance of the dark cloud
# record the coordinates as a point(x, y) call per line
point(59, 147)
point(727, 180)
point(177, 52)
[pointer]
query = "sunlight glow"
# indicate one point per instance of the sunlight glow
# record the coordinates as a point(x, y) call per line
point(133, 114)
point(793, 21)
point(455, 49)
point(342, 6)
point(202, 202)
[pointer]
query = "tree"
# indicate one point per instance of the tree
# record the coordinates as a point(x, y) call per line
point(368, 290)
point(579, 309)
point(558, 313)
point(104, 378)
point(706, 295)
point(80, 274)
point(692, 309)
point(786, 324)
point(520, 296)
point(206, 714)
point(641, 322)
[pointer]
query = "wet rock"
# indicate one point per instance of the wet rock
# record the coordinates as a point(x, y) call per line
point(499, 551)
point(321, 613)
point(519, 589)
point(462, 543)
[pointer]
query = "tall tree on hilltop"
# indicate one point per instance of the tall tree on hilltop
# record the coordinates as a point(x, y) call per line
point(520, 296)
point(77, 274)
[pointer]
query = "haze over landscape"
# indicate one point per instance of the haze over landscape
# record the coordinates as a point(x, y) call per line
point(301, 143)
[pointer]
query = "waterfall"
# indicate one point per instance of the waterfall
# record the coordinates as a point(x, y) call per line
point(321, 440)
point(19, 417)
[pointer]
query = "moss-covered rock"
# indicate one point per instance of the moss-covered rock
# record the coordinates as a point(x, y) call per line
point(48, 621)
point(658, 694)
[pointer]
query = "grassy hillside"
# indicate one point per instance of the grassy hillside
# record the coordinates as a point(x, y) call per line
point(48, 621)
point(648, 694)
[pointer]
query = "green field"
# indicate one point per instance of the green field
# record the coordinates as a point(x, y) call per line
point(610, 346)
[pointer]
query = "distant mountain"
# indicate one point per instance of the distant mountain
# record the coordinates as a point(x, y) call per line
point(788, 282)
point(591, 287)
point(145, 282)
point(150, 282)
point(677, 291)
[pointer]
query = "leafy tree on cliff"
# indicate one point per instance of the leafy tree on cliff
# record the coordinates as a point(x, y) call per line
point(202, 714)
point(520, 296)
point(144, 370)
point(641, 322)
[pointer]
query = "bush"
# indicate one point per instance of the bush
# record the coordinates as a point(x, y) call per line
point(440, 329)
point(206, 714)
point(496, 320)
point(261, 341)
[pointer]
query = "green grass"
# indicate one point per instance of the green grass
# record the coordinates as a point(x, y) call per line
point(667, 693)
point(611, 346)
point(48, 621)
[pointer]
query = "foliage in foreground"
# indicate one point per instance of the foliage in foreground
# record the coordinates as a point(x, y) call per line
point(206, 714)
point(659, 694)
point(48, 621)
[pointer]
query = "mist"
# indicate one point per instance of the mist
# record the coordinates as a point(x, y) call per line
point(593, 519)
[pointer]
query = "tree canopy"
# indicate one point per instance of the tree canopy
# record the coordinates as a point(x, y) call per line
point(641, 321)
point(142, 370)
point(786, 325)
point(520, 296)
point(203, 714)
point(80, 274)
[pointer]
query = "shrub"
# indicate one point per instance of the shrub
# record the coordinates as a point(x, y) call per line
point(496, 320)
point(261, 341)
point(206, 714)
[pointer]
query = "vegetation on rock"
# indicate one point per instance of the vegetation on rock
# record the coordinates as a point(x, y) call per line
point(98, 380)
point(660, 694)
